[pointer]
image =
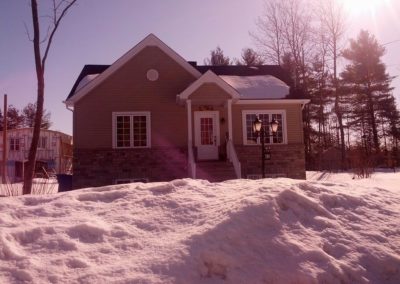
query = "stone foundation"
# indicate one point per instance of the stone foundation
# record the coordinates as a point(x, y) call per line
point(99, 167)
point(286, 161)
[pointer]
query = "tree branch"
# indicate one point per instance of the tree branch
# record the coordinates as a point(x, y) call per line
point(56, 24)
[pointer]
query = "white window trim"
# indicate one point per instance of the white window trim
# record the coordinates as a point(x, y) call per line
point(129, 180)
point(131, 114)
point(40, 144)
point(14, 142)
point(274, 175)
point(259, 111)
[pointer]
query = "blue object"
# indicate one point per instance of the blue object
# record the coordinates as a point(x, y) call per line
point(64, 182)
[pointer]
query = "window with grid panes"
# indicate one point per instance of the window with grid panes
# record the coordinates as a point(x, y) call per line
point(266, 117)
point(14, 144)
point(42, 142)
point(131, 130)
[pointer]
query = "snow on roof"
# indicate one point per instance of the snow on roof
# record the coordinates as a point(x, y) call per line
point(85, 80)
point(335, 230)
point(258, 87)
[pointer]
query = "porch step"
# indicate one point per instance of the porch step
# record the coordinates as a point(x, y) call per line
point(215, 171)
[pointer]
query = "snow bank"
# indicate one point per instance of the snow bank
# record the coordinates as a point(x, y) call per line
point(193, 231)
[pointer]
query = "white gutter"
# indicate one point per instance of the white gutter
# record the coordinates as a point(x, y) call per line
point(273, 102)
point(68, 107)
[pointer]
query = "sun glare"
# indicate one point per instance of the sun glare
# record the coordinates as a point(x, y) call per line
point(362, 6)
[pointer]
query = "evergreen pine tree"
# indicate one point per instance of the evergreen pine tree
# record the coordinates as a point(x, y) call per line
point(366, 83)
point(217, 58)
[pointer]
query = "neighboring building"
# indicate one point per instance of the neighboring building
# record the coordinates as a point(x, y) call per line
point(153, 116)
point(54, 153)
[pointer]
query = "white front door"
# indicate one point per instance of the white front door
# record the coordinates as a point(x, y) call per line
point(207, 140)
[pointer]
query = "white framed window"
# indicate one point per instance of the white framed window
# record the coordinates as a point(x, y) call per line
point(250, 138)
point(42, 142)
point(15, 144)
point(131, 129)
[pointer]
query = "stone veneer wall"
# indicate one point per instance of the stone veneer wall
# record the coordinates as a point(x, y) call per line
point(99, 167)
point(286, 160)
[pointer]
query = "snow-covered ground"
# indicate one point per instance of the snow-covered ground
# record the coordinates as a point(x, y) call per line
point(329, 229)
point(39, 186)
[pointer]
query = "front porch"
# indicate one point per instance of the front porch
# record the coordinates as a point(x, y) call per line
point(208, 103)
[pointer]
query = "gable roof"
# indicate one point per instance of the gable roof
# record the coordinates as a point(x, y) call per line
point(150, 40)
point(209, 77)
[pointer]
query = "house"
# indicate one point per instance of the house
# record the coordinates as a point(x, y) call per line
point(54, 153)
point(153, 116)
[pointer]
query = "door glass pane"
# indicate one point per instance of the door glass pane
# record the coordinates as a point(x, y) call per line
point(206, 131)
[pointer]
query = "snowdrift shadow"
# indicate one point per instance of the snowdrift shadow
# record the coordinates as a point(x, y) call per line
point(250, 245)
point(290, 238)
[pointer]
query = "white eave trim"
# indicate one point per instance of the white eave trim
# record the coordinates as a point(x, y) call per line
point(302, 102)
point(209, 77)
point(150, 40)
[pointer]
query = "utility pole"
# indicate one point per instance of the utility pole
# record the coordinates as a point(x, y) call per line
point(4, 179)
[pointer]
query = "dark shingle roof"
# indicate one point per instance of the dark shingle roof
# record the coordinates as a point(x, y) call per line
point(241, 70)
point(232, 70)
point(87, 70)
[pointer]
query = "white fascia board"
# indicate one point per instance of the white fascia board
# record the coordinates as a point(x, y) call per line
point(150, 40)
point(209, 77)
point(273, 102)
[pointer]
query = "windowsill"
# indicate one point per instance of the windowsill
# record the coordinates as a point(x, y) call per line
point(124, 148)
point(266, 144)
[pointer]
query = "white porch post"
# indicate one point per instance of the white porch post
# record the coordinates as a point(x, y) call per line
point(230, 119)
point(189, 119)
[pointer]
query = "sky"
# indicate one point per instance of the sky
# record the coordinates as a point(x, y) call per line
point(100, 31)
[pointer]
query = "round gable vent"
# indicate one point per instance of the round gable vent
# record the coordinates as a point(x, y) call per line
point(152, 75)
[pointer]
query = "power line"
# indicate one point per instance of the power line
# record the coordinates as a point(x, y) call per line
point(390, 42)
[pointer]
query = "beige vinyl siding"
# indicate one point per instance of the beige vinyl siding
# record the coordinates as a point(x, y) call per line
point(129, 90)
point(209, 93)
point(293, 120)
point(211, 97)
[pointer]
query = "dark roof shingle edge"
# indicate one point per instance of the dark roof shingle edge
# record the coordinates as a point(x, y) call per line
point(87, 70)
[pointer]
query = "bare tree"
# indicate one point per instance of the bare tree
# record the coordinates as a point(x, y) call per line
point(285, 29)
point(333, 22)
point(59, 10)
point(269, 37)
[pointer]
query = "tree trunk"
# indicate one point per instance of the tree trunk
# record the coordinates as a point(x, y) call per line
point(338, 111)
point(30, 170)
point(373, 123)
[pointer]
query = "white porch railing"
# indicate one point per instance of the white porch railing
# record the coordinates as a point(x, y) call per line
point(233, 158)
point(191, 162)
